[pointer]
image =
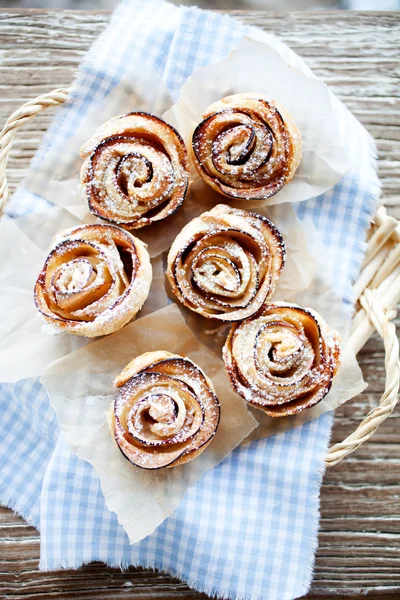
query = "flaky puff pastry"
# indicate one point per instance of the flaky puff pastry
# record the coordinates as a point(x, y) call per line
point(94, 280)
point(282, 360)
point(166, 411)
point(135, 170)
point(247, 147)
point(225, 264)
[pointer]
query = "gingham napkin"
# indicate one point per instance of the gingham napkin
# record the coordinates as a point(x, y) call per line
point(248, 529)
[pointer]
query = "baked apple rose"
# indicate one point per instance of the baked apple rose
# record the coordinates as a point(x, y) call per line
point(247, 147)
point(282, 360)
point(135, 170)
point(166, 411)
point(94, 280)
point(225, 264)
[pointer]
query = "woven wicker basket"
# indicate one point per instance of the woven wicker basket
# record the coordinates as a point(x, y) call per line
point(377, 289)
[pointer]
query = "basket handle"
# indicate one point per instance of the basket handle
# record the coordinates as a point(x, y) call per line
point(18, 118)
point(375, 303)
point(381, 320)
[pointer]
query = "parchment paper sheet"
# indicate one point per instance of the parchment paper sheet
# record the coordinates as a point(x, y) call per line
point(27, 343)
point(260, 64)
point(80, 390)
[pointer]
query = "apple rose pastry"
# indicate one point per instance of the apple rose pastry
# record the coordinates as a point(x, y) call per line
point(247, 147)
point(94, 281)
point(225, 264)
point(166, 411)
point(282, 360)
point(135, 170)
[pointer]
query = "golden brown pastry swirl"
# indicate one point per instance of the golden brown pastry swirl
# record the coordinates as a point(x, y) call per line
point(225, 264)
point(94, 281)
point(246, 147)
point(166, 411)
point(282, 360)
point(135, 170)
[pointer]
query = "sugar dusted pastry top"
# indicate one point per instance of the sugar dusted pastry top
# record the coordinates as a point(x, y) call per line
point(135, 170)
point(247, 147)
point(225, 264)
point(94, 280)
point(166, 411)
point(282, 360)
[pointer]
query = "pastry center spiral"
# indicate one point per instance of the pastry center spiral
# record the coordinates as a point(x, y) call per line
point(282, 352)
point(283, 360)
point(223, 268)
point(74, 276)
point(81, 275)
point(225, 263)
point(135, 170)
point(242, 148)
point(132, 173)
point(94, 280)
point(158, 417)
point(246, 147)
point(164, 412)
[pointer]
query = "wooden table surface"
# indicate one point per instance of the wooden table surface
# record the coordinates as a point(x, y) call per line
point(358, 55)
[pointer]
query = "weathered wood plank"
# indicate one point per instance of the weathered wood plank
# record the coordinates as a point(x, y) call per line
point(359, 542)
point(341, 49)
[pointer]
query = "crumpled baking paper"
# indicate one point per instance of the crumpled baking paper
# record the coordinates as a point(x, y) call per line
point(27, 342)
point(260, 65)
point(81, 391)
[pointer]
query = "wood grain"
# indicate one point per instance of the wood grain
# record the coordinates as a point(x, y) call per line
point(359, 543)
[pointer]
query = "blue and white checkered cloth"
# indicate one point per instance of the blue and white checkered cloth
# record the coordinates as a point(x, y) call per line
point(248, 528)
